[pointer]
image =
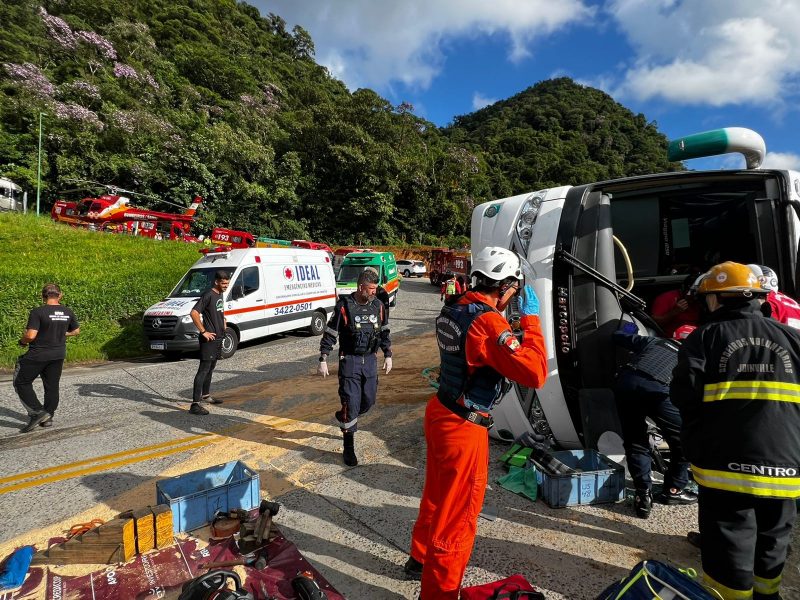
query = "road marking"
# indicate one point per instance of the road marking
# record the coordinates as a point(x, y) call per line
point(107, 465)
point(127, 457)
point(88, 461)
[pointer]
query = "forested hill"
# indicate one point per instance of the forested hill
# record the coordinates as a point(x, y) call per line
point(559, 132)
point(177, 97)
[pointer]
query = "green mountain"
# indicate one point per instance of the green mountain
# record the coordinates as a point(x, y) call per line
point(559, 132)
point(182, 97)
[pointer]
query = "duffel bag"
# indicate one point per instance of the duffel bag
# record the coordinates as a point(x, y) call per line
point(515, 587)
point(654, 580)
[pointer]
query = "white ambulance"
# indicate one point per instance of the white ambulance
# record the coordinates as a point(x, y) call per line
point(603, 251)
point(272, 290)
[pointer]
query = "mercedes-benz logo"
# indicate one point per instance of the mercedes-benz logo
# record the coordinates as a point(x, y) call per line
point(156, 323)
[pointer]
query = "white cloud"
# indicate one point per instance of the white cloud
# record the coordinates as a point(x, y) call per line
point(479, 101)
point(375, 43)
point(713, 52)
point(782, 160)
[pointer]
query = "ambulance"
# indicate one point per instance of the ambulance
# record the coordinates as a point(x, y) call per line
point(272, 290)
point(599, 253)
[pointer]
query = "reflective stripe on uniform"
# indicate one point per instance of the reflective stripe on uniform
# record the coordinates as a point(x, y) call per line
point(752, 390)
point(331, 331)
point(766, 587)
point(725, 592)
point(347, 425)
point(747, 483)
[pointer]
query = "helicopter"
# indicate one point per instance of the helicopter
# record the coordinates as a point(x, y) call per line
point(112, 211)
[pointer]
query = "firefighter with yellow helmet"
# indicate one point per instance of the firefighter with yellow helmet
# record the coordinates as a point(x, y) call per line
point(737, 385)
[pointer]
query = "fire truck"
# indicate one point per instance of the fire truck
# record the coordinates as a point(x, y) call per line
point(444, 261)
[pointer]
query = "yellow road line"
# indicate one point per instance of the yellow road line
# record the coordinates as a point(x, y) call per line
point(105, 466)
point(88, 461)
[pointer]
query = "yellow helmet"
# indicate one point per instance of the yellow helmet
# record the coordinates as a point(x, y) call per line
point(730, 278)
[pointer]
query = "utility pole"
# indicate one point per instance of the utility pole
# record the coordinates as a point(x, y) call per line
point(39, 170)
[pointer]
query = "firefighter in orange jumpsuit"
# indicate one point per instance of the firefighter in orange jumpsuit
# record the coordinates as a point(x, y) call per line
point(478, 351)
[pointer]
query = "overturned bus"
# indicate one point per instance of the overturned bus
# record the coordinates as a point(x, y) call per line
point(603, 251)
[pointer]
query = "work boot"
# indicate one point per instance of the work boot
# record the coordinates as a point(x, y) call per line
point(212, 400)
point(349, 451)
point(48, 422)
point(35, 419)
point(675, 496)
point(413, 569)
point(196, 409)
point(643, 503)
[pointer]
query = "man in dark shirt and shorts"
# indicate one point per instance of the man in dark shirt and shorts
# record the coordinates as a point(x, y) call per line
point(46, 335)
point(211, 307)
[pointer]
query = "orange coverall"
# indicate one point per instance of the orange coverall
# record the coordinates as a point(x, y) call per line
point(457, 464)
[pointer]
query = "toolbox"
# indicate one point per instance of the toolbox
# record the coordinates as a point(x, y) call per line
point(196, 496)
point(597, 480)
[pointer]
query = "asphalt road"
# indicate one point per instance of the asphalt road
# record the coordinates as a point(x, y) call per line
point(121, 423)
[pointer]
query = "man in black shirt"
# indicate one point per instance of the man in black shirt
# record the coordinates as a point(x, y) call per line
point(46, 335)
point(210, 307)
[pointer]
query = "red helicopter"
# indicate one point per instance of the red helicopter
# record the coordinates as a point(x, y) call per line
point(112, 212)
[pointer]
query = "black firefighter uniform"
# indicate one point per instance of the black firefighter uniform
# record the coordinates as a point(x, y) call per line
point(361, 329)
point(737, 385)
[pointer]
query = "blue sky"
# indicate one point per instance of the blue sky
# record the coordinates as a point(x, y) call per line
point(688, 65)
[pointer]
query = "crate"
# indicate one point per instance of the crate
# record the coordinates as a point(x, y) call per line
point(194, 497)
point(599, 480)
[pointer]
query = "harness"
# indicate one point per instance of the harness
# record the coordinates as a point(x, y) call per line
point(364, 325)
point(466, 395)
point(657, 360)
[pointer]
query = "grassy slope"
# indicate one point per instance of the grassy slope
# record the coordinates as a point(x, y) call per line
point(108, 280)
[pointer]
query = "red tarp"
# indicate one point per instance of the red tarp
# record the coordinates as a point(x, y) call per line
point(151, 575)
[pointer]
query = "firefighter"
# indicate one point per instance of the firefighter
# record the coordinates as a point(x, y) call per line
point(736, 384)
point(450, 287)
point(362, 322)
point(781, 307)
point(642, 391)
point(478, 351)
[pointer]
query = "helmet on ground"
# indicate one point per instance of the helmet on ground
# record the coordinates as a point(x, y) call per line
point(496, 264)
point(682, 332)
point(730, 278)
point(766, 277)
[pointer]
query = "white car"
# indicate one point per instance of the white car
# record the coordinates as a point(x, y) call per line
point(411, 268)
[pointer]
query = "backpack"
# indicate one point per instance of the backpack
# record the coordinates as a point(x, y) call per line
point(654, 580)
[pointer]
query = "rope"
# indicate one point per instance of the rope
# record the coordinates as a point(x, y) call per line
point(82, 528)
point(431, 374)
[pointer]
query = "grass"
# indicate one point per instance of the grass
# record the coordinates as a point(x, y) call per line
point(108, 280)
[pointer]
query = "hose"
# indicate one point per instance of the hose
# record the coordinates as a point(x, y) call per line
point(627, 259)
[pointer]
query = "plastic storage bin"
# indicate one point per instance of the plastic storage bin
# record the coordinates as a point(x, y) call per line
point(599, 480)
point(194, 497)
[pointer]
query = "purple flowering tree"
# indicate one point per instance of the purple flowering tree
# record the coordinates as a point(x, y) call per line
point(101, 44)
point(30, 78)
point(76, 112)
point(123, 71)
point(58, 29)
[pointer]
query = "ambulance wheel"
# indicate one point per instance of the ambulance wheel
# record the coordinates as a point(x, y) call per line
point(393, 301)
point(317, 323)
point(230, 341)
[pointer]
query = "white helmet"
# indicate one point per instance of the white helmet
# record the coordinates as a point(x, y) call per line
point(496, 264)
point(766, 277)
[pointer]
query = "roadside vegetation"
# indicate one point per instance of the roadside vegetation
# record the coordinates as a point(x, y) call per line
point(107, 279)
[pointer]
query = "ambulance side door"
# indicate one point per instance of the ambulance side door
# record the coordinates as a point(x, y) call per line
point(246, 303)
